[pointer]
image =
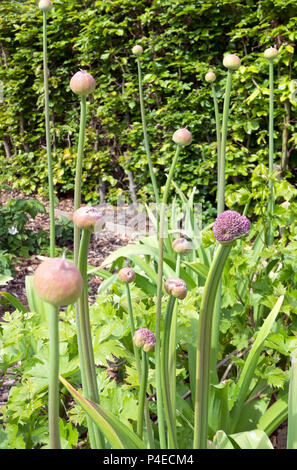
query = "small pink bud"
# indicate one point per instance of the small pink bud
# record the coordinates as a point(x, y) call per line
point(182, 137)
point(82, 83)
point(45, 5)
point(126, 275)
point(231, 61)
point(210, 77)
point(181, 245)
point(176, 287)
point(144, 338)
point(88, 218)
point(137, 50)
point(270, 53)
point(58, 282)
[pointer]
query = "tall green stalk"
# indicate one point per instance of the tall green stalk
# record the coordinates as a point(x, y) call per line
point(78, 172)
point(85, 339)
point(271, 153)
point(48, 139)
point(142, 393)
point(53, 389)
point(165, 378)
point(218, 133)
point(140, 373)
point(292, 408)
point(145, 136)
point(204, 346)
point(172, 348)
point(160, 409)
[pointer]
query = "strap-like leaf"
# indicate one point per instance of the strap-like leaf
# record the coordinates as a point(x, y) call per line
point(117, 433)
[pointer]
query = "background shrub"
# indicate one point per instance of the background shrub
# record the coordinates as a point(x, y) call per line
point(182, 39)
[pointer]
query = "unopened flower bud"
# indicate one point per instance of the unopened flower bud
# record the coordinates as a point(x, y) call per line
point(181, 245)
point(210, 77)
point(229, 226)
point(176, 287)
point(182, 137)
point(88, 218)
point(270, 53)
point(231, 61)
point(137, 50)
point(58, 282)
point(126, 275)
point(144, 338)
point(82, 83)
point(45, 5)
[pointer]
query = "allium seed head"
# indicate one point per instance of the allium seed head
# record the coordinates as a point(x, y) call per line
point(210, 77)
point(88, 218)
point(137, 50)
point(176, 287)
point(126, 275)
point(45, 5)
point(58, 282)
point(182, 137)
point(270, 53)
point(230, 225)
point(144, 338)
point(181, 245)
point(231, 61)
point(82, 83)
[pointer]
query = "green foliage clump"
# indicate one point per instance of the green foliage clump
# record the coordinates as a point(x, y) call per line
point(181, 41)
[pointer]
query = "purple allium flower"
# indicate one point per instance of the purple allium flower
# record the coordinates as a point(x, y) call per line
point(146, 338)
point(230, 225)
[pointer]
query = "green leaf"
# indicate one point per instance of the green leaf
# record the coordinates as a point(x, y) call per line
point(14, 301)
point(119, 435)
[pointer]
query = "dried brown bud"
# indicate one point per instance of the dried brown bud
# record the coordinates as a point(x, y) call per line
point(126, 275)
point(176, 287)
point(88, 218)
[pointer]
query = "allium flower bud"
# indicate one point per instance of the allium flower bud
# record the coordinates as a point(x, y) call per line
point(126, 275)
point(182, 137)
point(82, 83)
point(88, 218)
point(181, 245)
point(144, 338)
point(229, 226)
point(231, 61)
point(58, 282)
point(176, 287)
point(270, 53)
point(137, 50)
point(210, 77)
point(45, 5)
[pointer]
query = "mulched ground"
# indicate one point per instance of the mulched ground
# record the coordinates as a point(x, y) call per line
point(101, 246)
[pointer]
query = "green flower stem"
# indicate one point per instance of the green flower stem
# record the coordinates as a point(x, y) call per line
point(172, 441)
point(204, 345)
point(145, 136)
point(87, 356)
point(222, 164)
point(218, 130)
point(53, 389)
point(139, 369)
point(48, 141)
point(78, 172)
point(160, 411)
point(271, 152)
point(142, 393)
point(292, 408)
point(172, 348)
point(220, 208)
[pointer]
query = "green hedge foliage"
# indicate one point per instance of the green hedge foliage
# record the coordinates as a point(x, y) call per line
point(182, 40)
